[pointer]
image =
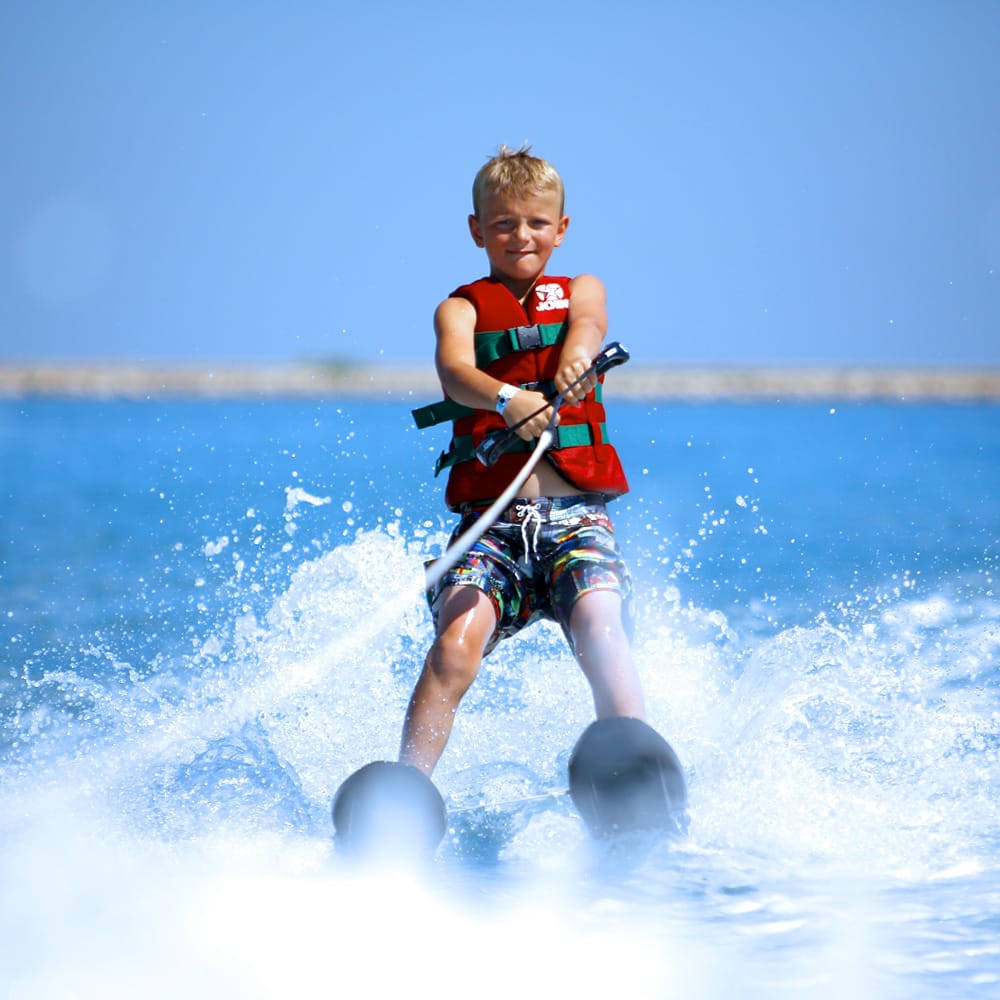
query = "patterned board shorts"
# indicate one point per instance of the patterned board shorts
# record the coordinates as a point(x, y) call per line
point(539, 558)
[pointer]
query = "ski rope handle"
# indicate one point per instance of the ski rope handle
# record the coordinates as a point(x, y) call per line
point(494, 445)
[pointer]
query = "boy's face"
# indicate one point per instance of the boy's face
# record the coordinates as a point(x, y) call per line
point(519, 234)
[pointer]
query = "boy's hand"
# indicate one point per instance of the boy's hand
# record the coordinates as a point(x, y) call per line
point(571, 367)
point(521, 406)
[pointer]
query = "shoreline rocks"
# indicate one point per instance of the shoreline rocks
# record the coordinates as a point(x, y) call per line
point(270, 381)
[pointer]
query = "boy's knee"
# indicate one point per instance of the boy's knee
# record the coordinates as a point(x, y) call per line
point(600, 639)
point(454, 663)
point(598, 615)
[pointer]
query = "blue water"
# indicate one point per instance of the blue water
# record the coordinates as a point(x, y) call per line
point(210, 614)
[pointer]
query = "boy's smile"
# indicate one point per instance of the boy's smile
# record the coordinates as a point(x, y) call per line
point(519, 235)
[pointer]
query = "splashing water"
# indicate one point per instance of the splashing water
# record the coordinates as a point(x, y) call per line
point(164, 797)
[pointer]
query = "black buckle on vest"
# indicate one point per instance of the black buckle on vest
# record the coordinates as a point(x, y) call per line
point(529, 338)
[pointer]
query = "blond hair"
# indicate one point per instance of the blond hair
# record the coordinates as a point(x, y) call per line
point(517, 173)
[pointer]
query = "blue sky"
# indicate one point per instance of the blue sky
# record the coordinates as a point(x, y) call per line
point(786, 183)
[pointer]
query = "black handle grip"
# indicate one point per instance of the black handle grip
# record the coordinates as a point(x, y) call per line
point(496, 444)
point(612, 356)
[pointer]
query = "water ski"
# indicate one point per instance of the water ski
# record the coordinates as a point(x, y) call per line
point(624, 776)
point(390, 809)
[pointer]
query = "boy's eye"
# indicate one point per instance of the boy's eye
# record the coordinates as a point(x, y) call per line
point(510, 224)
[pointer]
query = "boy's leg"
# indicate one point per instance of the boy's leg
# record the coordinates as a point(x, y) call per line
point(466, 620)
point(602, 649)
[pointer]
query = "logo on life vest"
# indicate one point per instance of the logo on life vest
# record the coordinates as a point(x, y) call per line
point(550, 296)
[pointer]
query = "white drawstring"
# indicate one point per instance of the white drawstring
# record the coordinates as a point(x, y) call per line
point(528, 513)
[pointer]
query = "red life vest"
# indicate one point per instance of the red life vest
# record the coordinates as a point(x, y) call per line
point(521, 345)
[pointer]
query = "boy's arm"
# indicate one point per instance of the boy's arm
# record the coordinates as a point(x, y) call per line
point(455, 360)
point(588, 323)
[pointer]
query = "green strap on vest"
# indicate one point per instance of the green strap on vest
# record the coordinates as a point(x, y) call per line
point(495, 344)
point(438, 413)
point(573, 436)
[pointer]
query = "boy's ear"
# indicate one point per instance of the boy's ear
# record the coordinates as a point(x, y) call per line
point(476, 230)
point(561, 230)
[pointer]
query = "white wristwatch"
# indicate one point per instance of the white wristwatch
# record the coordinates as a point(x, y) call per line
point(505, 395)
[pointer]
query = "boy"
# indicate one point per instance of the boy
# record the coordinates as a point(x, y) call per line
point(501, 341)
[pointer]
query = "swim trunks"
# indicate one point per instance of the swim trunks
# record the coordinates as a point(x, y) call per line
point(538, 559)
